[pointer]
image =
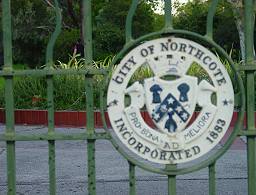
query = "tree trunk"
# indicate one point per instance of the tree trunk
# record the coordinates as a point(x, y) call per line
point(238, 11)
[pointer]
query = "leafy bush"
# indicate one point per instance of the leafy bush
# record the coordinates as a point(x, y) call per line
point(33, 23)
point(75, 62)
point(69, 90)
point(65, 44)
point(30, 93)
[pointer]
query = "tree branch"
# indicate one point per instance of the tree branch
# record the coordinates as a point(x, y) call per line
point(49, 3)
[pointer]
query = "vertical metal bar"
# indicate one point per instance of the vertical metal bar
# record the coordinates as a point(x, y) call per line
point(9, 112)
point(211, 13)
point(91, 168)
point(171, 180)
point(132, 179)
point(7, 33)
point(9, 99)
point(51, 143)
point(50, 98)
point(128, 25)
point(90, 143)
point(52, 172)
point(249, 59)
point(171, 184)
point(212, 181)
point(56, 33)
point(87, 36)
point(168, 14)
point(87, 30)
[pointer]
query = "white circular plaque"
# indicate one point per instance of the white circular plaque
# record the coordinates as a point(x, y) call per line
point(176, 138)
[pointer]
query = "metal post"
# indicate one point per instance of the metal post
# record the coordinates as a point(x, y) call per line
point(87, 30)
point(51, 144)
point(129, 19)
point(90, 143)
point(171, 180)
point(9, 112)
point(210, 16)
point(132, 179)
point(7, 33)
point(249, 60)
point(171, 184)
point(90, 130)
point(168, 14)
point(50, 98)
point(9, 99)
point(87, 36)
point(212, 179)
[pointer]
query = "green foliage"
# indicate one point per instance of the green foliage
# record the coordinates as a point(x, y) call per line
point(65, 44)
point(99, 79)
point(30, 93)
point(1, 83)
point(109, 40)
point(75, 62)
point(109, 34)
point(104, 63)
point(20, 66)
point(158, 22)
point(15, 67)
point(34, 21)
point(32, 25)
point(69, 90)
point(192, 16)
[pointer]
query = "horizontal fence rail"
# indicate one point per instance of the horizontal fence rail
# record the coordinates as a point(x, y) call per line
point(52, 72)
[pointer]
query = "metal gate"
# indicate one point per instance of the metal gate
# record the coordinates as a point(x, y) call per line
point(10, 136)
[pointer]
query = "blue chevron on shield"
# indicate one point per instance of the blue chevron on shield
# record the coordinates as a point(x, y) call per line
point(171, 103)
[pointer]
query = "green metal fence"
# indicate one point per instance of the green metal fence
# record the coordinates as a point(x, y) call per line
point(11, 137)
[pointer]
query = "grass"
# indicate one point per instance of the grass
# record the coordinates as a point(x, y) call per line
point(15, 67)
point(69, 90)
point(20, 67)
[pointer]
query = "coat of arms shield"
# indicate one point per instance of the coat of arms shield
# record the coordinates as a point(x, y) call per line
point(171, 103)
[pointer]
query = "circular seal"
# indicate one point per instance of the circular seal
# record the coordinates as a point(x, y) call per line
point(170, 97)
